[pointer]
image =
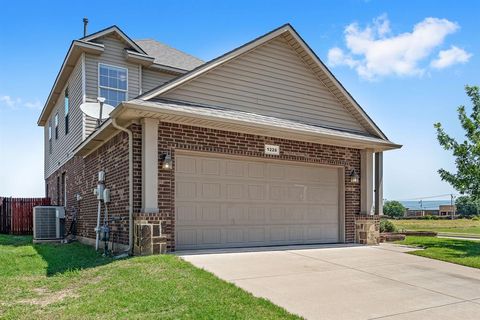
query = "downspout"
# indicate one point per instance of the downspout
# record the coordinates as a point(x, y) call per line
point(130, 183)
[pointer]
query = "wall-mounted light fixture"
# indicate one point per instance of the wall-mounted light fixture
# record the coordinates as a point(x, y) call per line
point(354, 177)
point(167, 162)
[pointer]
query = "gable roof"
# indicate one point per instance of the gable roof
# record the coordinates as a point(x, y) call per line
point(168, 56)
point(165, 58)
point(117, 30)
point(304, 51)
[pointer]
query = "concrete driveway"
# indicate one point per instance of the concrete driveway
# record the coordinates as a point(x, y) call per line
point(349, 282)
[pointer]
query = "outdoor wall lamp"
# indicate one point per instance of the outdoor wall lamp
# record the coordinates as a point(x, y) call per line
point(354, 177)
point(167, 162)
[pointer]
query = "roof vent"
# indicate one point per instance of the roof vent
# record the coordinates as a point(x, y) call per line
point(85, 23)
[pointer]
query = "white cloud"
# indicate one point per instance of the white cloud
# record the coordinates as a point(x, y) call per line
point(450, 57)
point(374, 52)
point(16, 103)
point(9, 101)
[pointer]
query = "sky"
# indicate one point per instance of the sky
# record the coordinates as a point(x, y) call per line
point(405, 62)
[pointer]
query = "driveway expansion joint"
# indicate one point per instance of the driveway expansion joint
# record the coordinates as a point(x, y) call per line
point(382, 277)
point(421, 309)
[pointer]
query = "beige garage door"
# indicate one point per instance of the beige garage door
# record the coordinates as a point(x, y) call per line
point(238, 202)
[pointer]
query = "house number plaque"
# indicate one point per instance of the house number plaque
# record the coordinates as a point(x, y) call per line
point(272, 150)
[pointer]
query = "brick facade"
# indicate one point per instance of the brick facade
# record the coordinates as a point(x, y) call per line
point(112, 158)
point(82, 176)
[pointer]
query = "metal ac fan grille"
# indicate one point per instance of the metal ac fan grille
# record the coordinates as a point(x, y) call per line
point(45, 223)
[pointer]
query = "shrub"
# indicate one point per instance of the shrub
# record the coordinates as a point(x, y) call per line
point(387, 226)
point(476, 218)
point(430, 217)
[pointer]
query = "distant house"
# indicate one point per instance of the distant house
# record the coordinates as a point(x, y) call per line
point(447, 210)
point(442, 211)
point(260, 146)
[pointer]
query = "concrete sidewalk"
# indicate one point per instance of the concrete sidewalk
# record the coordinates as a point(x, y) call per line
point(349, 282)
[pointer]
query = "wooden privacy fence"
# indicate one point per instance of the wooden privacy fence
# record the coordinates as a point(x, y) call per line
point(16, 214)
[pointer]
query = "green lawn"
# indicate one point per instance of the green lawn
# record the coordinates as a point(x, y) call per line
point(74, 282)
point(463, 226)
point(462, 252)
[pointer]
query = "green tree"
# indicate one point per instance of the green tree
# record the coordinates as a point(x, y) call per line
point(467, 153)
point(394, 209)
point(466, 206)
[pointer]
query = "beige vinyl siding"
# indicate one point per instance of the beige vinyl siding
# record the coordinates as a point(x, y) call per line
point(63, 146)
point(89, 125)
point(152, 79)
point(271, 80)
point(114, 54)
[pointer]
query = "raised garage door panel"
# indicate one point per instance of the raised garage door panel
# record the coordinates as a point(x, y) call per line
point(223, 202)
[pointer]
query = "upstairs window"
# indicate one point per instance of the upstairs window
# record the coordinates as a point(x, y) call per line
point(112, 83)
point(67, 107)
point(56, 126)
point(50, 136)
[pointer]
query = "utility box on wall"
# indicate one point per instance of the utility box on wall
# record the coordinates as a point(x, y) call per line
point(148, 238)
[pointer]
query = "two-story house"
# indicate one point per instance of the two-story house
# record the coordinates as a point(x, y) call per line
point(260, 146)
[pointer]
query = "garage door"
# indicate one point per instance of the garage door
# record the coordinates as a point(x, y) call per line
point(239, 202)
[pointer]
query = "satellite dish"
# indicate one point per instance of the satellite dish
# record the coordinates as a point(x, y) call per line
point(92, 109)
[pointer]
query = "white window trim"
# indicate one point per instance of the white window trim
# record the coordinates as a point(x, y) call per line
point(110, 88)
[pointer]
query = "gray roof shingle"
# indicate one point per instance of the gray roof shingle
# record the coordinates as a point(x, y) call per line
point(168, 56)
point(252, 118)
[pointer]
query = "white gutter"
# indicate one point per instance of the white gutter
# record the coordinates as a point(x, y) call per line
point(130, 183)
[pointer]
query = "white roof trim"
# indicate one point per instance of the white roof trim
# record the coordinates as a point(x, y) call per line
point(139, 57)
point(109, 30)
point(163, 67)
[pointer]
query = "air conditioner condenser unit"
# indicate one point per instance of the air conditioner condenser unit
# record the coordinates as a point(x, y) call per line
point(48, 223)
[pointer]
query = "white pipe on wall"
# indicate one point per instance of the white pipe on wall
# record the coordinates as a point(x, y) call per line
point(97, 229)
point(130, 183)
